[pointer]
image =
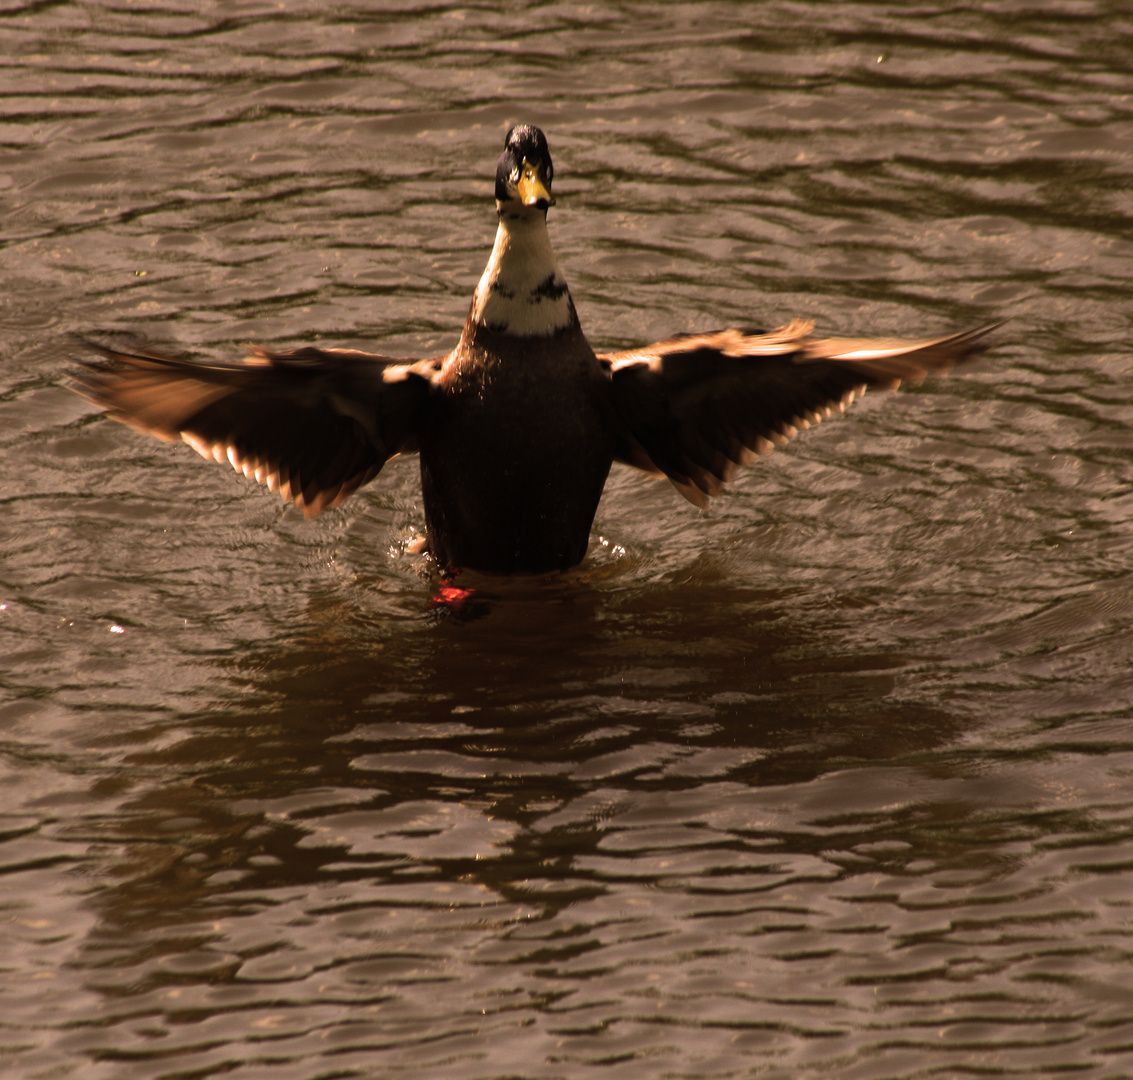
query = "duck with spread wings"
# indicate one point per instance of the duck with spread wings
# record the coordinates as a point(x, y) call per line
point(518, 426)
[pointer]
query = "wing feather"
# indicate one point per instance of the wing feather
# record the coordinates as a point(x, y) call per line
point(697, 407)
point(313, 424)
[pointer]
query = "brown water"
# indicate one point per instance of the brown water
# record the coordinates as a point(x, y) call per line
point(835, 781)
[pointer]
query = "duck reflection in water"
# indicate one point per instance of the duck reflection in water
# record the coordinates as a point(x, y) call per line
point(518, 426)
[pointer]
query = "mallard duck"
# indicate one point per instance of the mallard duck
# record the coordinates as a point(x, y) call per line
point(518, 426)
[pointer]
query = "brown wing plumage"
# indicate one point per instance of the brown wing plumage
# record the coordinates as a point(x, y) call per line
point(695, 408)
point(313, 424)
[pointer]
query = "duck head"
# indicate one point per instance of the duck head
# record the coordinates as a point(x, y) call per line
point(524, 172)
point(522, 292)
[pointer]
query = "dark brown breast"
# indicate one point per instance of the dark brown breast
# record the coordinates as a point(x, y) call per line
point(515, 450)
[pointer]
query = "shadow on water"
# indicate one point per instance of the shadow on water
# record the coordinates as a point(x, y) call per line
point(434, 750)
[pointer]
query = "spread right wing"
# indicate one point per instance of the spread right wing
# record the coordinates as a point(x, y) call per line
point(312, 424)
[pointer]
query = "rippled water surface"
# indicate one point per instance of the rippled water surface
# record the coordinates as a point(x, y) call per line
point(835, 781)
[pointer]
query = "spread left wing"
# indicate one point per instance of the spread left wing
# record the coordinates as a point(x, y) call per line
point(696, 407)
point(313, 424)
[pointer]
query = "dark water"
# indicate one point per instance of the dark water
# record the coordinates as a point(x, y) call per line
point(835, 781)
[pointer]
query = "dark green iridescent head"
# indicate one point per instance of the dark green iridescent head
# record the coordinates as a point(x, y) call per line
point(524, 172)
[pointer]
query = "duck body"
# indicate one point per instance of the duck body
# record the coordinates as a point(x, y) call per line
point(518, 426)
point(519, 435)
point(503, 494)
